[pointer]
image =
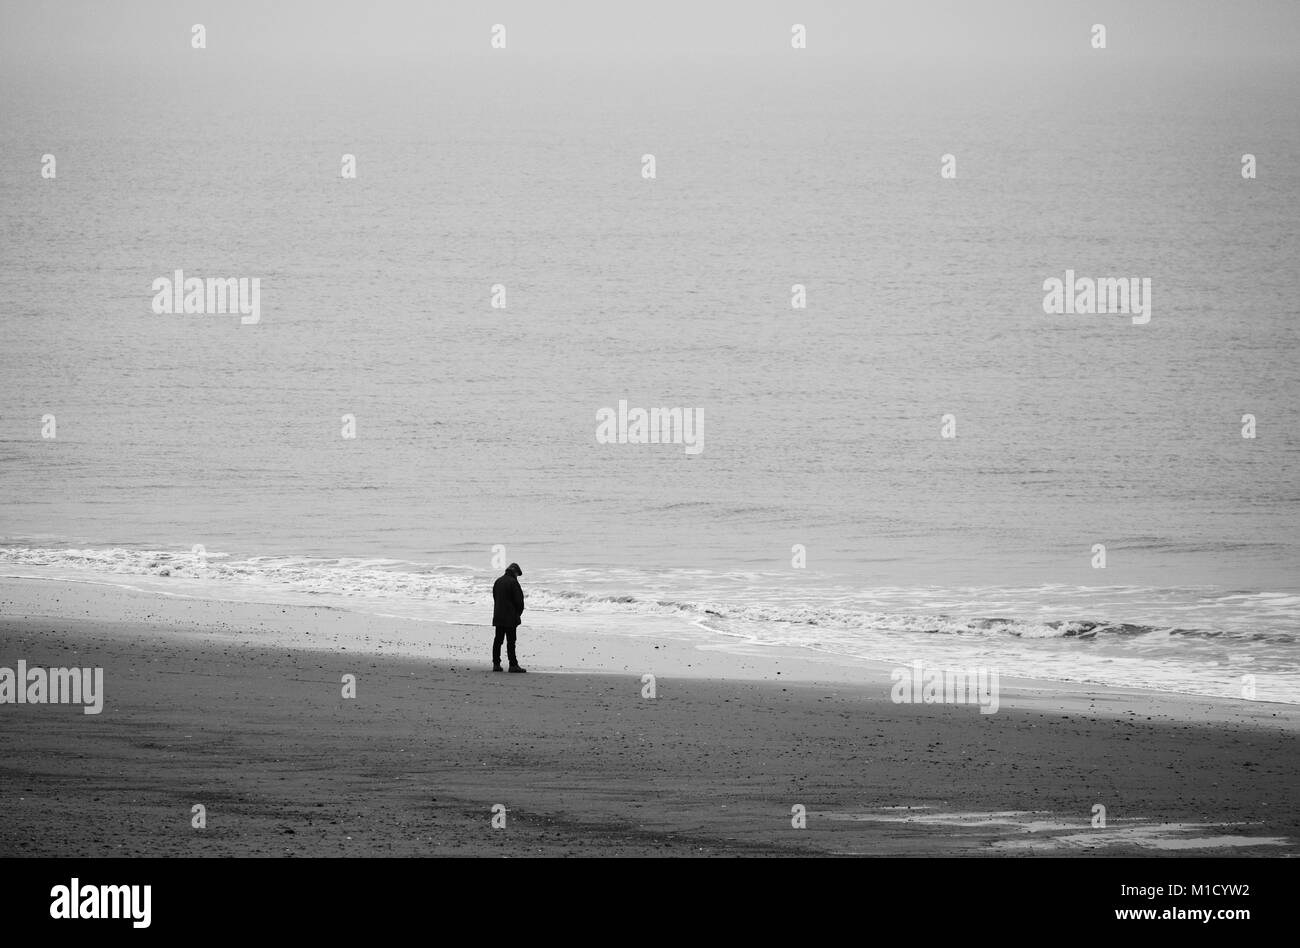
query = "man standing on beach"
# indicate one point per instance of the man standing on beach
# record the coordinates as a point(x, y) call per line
point(507, 607)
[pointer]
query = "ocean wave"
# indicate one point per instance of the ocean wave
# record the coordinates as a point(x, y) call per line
point(380, 578)
point(1191, 640)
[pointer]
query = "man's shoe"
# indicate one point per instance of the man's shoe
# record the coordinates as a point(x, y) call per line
point(497, 667)
point(518, 668)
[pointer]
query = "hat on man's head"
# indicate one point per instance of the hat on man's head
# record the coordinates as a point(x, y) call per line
point(514, 568)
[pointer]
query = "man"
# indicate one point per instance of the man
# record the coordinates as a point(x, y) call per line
point(507, 607)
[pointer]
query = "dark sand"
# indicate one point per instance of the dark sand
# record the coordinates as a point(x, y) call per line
point(585, 766)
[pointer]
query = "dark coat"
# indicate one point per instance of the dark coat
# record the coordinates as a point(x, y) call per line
point(507, 601)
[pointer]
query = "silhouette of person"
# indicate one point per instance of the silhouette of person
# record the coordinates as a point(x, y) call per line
point(507, 607)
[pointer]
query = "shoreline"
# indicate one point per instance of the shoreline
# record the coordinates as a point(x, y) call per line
point(1236, 645)
point(238, 708)
point(551, 648)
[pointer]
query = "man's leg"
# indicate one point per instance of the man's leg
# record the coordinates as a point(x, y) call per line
point(510, 645)
point(496, 645)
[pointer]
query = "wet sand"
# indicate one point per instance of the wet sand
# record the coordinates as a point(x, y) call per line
point(223, 714)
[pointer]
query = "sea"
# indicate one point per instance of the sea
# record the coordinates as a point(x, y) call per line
point(1115, 503)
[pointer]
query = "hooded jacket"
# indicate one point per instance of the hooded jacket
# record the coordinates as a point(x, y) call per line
point(507, 601)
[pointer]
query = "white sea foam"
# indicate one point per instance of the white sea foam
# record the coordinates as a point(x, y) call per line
point(1105, 635)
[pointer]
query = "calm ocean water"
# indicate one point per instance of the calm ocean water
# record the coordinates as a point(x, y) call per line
point(821, 426)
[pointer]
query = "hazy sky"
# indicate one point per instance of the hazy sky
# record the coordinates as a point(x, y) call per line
point(80, 35)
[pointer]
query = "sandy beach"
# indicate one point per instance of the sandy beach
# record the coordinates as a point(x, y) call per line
point(238, 708)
